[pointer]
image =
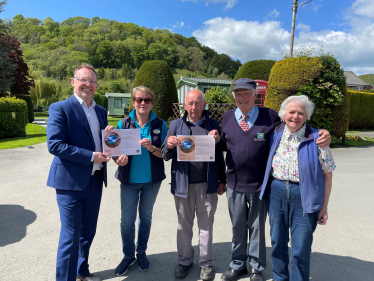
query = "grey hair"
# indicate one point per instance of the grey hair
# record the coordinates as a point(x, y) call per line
point(254, 91)
point(303, 100)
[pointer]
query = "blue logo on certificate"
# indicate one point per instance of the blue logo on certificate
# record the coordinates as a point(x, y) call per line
point(137, 151)
point(211, 157)
point(260, 135)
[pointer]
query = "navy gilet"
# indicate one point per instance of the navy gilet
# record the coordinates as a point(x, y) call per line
point(157, 164)
point(247, 152)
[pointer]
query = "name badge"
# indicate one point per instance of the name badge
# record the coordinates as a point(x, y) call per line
point(260, 137)
point(156, 131)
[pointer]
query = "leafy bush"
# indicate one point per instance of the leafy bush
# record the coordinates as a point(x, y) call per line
point(256, 70)
point(98, 99)
point(105, 102)
point(30, 106)
point(10, 126)
point(157, 76)
point(362, 110)
point(319, 78)
point(216, 95)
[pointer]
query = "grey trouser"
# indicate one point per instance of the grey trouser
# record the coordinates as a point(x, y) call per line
point(248, 215)
point(205, 206)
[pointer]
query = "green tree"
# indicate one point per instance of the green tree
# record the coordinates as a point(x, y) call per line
point(105, 53)
point(157, 76)
point(216, 95)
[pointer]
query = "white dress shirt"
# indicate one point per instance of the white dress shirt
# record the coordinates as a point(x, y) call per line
point(95, 128)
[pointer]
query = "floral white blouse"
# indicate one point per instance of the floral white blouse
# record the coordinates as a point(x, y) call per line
point(285, 162)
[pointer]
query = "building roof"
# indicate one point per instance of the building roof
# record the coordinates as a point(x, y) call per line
point(353, 80)
point(202, 81)
point(118, 95)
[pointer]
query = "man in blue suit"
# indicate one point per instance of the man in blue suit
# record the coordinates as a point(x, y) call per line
point(77, 172)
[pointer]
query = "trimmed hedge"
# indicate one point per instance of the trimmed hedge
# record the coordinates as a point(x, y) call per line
point(105, 101)
point(362, 109)
point(30, 106)
point(157, 76)
point(98, 99)
point(319, 78)
point(256, 70)
point(11, 127)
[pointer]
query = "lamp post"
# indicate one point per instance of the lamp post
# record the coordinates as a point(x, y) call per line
point(295, 8)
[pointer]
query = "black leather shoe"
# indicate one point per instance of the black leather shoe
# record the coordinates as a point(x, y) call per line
point(256, 275)
point(206, 273)
point(232, 274)
point(181, 271)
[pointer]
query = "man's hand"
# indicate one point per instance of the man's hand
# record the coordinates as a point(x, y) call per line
point(215, 135)
point(122, 160)
point(172, 142)
point(109, 128)
point(324, 140)
point(147, 144)
point(221, 188)
point(322, 217)
point(101, 157)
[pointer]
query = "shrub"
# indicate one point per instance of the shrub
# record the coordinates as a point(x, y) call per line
point(319, 78)
point(30, 106)
point(256, 70)
point(105, 101)
point(157, 76)
point(98, 99)
point(362, 109)
point(10, 126)
point(216, 95)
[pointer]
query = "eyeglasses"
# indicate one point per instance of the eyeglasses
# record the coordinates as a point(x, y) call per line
point(85, 81)
point(140, 100)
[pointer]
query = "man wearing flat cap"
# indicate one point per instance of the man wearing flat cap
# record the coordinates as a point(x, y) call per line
point(246, 131)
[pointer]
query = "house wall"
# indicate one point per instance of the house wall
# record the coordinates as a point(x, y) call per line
point(118, 110)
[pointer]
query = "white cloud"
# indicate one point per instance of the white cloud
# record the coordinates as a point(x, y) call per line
point(363, 8)
point(178, 25)
point(251, 40)
point(272, 15)
point(229, 3)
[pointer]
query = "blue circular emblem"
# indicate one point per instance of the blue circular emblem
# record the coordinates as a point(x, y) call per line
point(211, 157)
point(112, 139)
point(187, 145)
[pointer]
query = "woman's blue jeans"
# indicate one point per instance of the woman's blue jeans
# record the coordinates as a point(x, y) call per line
point(286, 213)
point(134, 195)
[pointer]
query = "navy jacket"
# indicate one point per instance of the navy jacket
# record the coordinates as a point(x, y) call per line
point(157, 164)
point(70, 139)
point(311, 180)
point(179, 169)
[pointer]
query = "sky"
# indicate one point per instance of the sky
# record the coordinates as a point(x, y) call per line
point(243, 29)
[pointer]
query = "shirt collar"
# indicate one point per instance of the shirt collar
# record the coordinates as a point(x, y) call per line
point(298, 134)
point(249, 113)
point(198, 123)
point(83, 103)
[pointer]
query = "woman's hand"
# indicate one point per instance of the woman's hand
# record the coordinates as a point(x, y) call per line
point(121, 160)
point(322, 217)
point(324, 139)
point(147, 144)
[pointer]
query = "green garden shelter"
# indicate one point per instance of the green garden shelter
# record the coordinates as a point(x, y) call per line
point(118, 103)
point(185, 84)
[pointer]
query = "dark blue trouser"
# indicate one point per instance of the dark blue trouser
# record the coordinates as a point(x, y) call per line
point(248, 215)
point(78, 214)
point(286, 213)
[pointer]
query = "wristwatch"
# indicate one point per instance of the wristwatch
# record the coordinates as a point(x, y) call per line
point(154, 150)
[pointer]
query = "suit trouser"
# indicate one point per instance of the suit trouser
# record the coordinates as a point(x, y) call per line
point(248, 215)
point(205, 206)
point(79, 211)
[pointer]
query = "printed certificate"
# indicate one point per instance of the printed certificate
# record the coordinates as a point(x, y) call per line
point(196, 148)
point(118, 142)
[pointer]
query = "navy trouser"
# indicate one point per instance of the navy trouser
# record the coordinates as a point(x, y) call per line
point(286, 213)
point(248, 215)
point(78, 214)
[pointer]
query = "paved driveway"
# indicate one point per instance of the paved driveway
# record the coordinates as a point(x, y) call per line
point(29, 224)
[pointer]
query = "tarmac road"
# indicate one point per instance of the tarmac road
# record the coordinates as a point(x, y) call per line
point(29, 224)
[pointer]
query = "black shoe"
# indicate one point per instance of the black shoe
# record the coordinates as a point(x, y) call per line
point(256, 275)
point(206, 273)
point(181, 271)
point(124, 266)
point(232, 274)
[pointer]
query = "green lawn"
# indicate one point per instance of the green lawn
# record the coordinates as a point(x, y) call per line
point(44, 114)
point(113, 121)
point(369, 141)
point(34, 134)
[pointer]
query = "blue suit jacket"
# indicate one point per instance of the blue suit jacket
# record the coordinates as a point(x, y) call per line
point(69, 138)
